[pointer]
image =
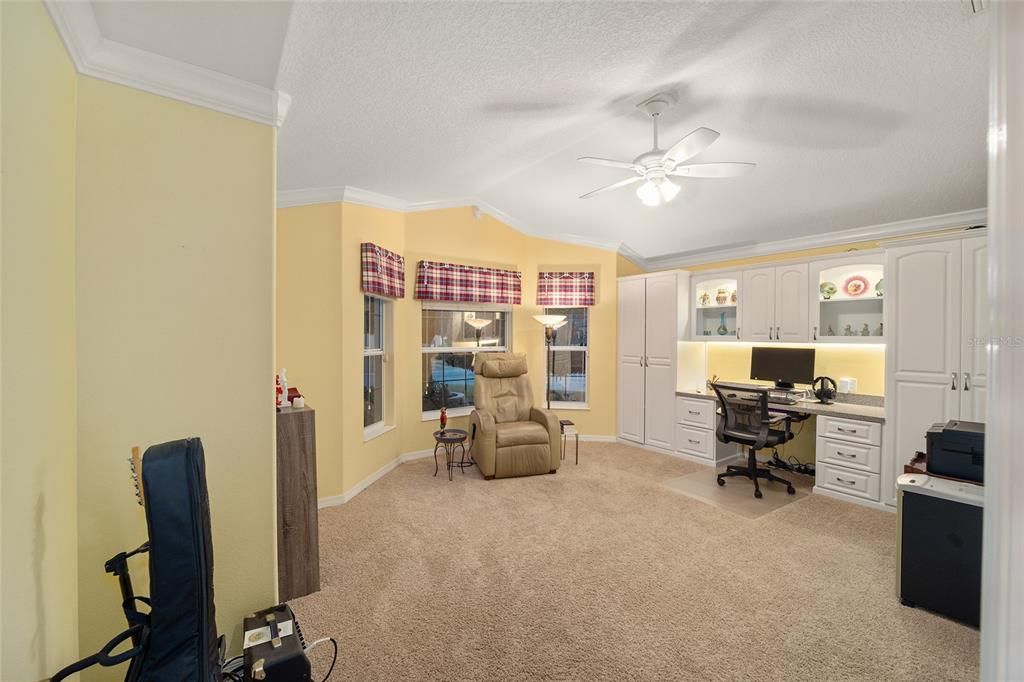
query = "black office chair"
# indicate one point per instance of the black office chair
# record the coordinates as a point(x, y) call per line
point(744, 418)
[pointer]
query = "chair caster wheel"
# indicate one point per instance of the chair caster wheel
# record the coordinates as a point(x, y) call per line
point(791, 490)
point(757, 494)
point(721, 482)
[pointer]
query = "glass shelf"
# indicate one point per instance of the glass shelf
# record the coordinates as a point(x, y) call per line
point(716, 308)
point(851, 303)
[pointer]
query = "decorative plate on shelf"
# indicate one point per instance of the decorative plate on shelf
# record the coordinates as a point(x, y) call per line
point(855, 286)
point(828, 290)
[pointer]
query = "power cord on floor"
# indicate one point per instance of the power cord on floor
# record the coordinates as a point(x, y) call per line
point(334, 658)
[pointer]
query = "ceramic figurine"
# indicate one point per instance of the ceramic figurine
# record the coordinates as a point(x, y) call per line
point(705, 298)
point(732, 299)
point(848, 331)
point(831, 331)
point(721, 297)
point(866, 331)
point(722, 329)
point(284, 386)
point(878, 332)
point(880, 288)
point(444, 418)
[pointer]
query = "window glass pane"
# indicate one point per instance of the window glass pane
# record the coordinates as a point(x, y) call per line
point(373, 323)
point(451, 329)
point(574, 333)
point(447, 380)
point(569, 376)
point(373, 394)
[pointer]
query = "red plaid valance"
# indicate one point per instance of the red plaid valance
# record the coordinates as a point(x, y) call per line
point(565, 289)
point(383, 271)
point(467, 283)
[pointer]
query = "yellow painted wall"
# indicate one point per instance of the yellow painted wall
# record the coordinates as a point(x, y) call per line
point(309, 324)
point(38, 581)
point(627, 268)
point(731, 362)
point(175, 286)
point(449, 234)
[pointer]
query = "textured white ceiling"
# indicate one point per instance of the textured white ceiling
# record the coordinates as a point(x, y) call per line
point(240, 39)
point(856, 113)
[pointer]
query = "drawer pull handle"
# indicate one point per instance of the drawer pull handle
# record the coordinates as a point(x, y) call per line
point(845, 454)
point(694, 412)
point(695, 442)
point(840, 429)
point(843, 480)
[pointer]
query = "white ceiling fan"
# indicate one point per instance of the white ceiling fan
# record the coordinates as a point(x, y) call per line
point(656, 167)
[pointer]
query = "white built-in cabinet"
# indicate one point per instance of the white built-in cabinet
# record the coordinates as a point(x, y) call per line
point(775, 303)
point(937, 333)
point(652, 320)
point(847, 300)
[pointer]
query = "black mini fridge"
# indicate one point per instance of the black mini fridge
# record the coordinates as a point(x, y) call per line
point(940, 527)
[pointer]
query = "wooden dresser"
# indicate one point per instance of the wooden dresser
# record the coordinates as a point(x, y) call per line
point(298, 543)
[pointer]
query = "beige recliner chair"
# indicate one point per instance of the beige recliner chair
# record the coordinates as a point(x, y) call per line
point(511, 437)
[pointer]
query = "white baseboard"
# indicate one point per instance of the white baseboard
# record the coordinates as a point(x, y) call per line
point(682, 455)
point(597, 439)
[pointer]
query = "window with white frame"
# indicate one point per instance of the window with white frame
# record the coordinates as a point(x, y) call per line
point(374, 382)
point(452, 334)
point(569, 359)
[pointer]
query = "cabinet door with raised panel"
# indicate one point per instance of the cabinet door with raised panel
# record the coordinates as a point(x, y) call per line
point(632, 328)
point(660, 406)
point(662, 311)
point(975, 335)
point(758, 305)
point(791, 303)
point(923, 327)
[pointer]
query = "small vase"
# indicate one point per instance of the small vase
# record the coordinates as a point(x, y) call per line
point(722, 329)
point(722, 297)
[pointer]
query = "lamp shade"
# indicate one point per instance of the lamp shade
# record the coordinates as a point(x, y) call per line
point(477, 323)
point(549, 320)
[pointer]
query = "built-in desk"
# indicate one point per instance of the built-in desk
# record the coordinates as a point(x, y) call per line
point(842, 410)
point(848, 443)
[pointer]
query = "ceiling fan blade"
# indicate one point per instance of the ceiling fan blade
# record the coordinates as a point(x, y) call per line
point(691, 145)
point(713, 170)
point(608, 162)
point(614, 185)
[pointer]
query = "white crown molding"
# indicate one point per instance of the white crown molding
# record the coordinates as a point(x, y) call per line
point(355, 195)
point(94, 55)
point(838, 238)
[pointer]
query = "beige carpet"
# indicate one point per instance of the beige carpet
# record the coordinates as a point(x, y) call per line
point(601, 573)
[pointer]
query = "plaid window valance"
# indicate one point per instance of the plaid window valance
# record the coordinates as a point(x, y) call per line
point(383, 271)
point(565, 289)
point(467, 283)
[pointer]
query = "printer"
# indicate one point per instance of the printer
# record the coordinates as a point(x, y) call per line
point(956, 449)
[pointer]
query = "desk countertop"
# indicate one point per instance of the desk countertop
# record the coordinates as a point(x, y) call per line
point(868, 413)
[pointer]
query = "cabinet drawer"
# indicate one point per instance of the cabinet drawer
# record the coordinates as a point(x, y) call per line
point(849, 481)
point(696, 412)
point(698, 442)
point(847, 454)
point(869, 433)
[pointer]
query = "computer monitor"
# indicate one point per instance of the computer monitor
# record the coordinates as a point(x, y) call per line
point(784, 366)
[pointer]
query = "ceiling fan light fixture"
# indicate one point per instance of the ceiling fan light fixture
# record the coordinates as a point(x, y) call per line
point(668, 190)
point(648, 193)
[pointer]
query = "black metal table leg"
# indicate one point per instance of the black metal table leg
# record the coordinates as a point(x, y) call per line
point(435, 458)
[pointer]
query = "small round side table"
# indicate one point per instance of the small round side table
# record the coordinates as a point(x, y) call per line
point(450, 439)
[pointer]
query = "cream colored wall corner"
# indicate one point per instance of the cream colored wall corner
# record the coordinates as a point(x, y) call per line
point(38, 524)
point(175, 274)
point(324, 314)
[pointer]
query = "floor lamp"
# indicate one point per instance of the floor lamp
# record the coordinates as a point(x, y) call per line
point(478, 325)
point(551, 323)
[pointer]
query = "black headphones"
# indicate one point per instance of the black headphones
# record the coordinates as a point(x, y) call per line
point(823, 392)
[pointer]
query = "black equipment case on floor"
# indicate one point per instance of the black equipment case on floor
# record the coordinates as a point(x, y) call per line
point(274, 647)
point(177, 638)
